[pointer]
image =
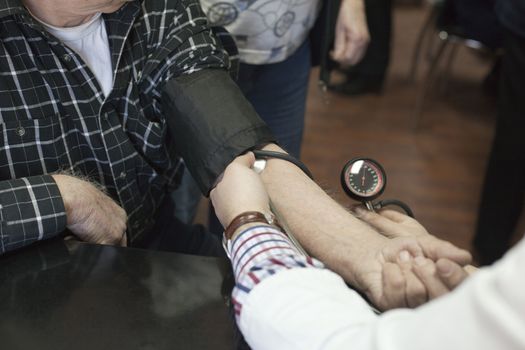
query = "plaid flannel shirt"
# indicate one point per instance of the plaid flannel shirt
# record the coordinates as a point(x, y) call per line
point(54, 116)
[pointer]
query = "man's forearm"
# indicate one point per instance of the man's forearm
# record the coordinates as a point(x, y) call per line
point(324, 228)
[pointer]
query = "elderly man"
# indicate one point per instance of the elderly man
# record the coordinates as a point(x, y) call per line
point(100, 100)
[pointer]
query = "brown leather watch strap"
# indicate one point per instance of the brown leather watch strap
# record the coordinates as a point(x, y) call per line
point(246, 218)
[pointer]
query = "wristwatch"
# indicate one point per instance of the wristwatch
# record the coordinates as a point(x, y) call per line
point(243, 219)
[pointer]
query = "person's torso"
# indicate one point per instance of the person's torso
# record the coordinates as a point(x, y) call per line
point(54, 115)
point(266, 31)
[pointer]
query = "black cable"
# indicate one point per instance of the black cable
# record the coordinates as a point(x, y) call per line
point(259, 154)
point(395, 202)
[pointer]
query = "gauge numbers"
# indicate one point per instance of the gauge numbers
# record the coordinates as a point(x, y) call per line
point(363, 179)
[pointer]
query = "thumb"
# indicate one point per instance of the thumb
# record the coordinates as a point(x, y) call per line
point(437, 249)
point(450, 273)
point(246, 159)
point(339, 43)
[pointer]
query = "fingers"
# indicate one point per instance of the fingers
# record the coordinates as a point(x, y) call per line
point(415, 291)
point(246, 159)
point(348, 50)
point(393, 287)
point(469, 269)
point(401, 251)
point(401, 287)
point(394, 215)
point(113, 237)
point(110, 223)
point(450, 273)
point(450, 251)
point(436, 249)
point(426, 271)
point(355, 48)
point(339, 45)
point(382, 224)
point(124, 240)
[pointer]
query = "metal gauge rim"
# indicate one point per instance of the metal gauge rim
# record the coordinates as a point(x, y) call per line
point(378, 188)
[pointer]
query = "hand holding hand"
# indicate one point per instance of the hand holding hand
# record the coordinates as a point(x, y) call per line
point(438, 265)
point(397, 273)
point(351, 33)
point(440, 277)
point(238, 190)
point(91, 215)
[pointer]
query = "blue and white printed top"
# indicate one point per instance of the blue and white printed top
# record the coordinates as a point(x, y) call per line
point(266, 31)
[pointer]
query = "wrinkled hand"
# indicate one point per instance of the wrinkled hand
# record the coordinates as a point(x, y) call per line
point(238, 190)
point(351, 33)
point(438, 265)
point(91, 215)
point(388, 276)
point(442, 276)
point(392, 224)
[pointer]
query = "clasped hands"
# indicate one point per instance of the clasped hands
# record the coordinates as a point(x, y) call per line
point(412, 266)
point(403, 266)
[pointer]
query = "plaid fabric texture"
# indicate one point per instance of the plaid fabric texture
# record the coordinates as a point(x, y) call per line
point(258, 253)
point(54, 116)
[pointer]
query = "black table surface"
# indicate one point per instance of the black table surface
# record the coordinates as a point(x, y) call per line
point(74, 295)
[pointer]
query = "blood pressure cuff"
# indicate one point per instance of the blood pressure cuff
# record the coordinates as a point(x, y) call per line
point(210, 123)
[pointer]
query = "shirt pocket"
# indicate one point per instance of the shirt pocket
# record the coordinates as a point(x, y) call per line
point(33, 147)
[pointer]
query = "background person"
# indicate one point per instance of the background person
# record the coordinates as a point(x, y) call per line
point(501, 204)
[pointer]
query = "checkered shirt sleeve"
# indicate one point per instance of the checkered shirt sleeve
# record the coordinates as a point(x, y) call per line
point(31, 209)
point(258, 253)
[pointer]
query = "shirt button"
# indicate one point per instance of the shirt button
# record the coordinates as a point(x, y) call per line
point(20, 131)
point(66, 57)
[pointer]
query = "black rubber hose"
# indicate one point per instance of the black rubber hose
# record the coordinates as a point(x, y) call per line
point(395, 202)
point(259, 154)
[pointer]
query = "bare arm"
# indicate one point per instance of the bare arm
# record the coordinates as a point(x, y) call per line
point(347, 245)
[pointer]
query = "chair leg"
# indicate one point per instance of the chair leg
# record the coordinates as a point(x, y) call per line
point(445, 77)
point(418, 111)
point(429, 22)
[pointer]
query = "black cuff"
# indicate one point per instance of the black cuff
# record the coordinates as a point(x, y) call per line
point(210, 123)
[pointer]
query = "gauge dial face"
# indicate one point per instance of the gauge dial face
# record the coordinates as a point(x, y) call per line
point(363, 178)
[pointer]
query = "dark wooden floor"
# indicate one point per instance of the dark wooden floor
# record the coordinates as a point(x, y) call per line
point(438, 170)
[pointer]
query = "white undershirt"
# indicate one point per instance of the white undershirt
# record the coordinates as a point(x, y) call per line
point(89, 41)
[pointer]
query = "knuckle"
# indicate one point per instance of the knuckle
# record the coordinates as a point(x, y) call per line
point(121, 213)
point(419, 292)
point(397, 281)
